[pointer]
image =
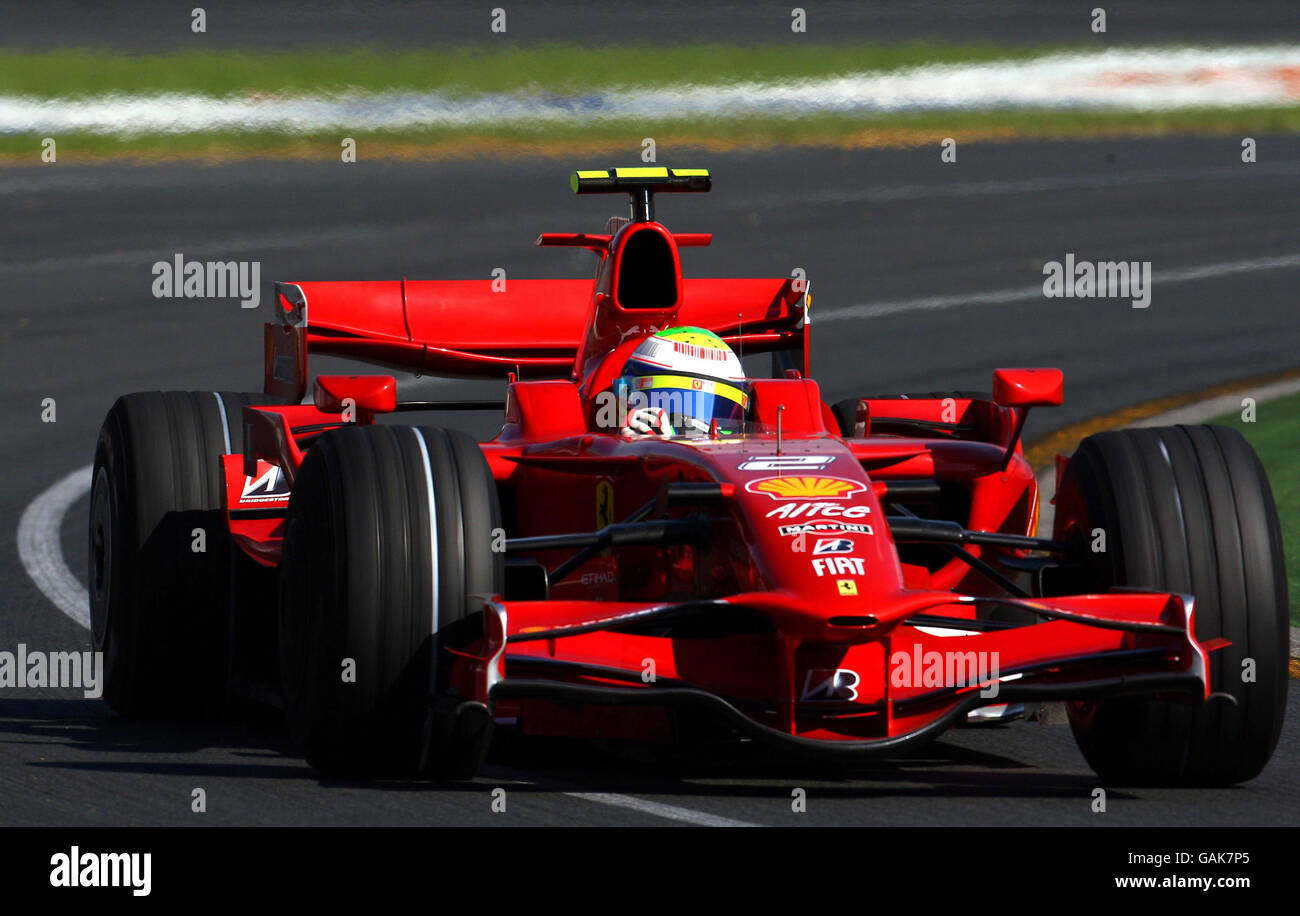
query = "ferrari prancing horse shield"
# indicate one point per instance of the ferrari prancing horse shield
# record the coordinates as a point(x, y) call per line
point(604, 506)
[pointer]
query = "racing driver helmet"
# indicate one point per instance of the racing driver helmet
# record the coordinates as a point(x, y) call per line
point(692, 375)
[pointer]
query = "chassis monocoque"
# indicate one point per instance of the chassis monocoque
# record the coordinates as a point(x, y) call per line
point(845, 581)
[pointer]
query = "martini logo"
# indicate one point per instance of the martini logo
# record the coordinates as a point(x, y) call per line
point(824, 528)
point(805, 487)
point(271, 486)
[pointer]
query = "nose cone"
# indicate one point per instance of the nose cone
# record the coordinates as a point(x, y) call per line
point(816, 527)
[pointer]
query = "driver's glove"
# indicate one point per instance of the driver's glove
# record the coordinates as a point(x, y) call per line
point(648, 421)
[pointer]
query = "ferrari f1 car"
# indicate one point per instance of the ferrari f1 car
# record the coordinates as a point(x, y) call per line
point(654, 542)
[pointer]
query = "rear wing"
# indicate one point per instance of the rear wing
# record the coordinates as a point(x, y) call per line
point(489, 328)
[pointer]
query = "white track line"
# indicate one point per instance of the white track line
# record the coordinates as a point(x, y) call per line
point(40, 549)
point(932, 190)
point(658, 809)
point(138, 257)
point(1029, 293)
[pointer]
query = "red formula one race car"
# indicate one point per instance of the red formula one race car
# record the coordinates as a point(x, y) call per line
point(654, 541)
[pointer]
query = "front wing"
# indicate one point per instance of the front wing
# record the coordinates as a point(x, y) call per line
point(860, 687)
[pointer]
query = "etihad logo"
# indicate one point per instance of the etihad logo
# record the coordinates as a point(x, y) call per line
point(805, 487)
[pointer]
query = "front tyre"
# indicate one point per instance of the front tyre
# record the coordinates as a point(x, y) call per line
point(1185, 509)
point(389, 534)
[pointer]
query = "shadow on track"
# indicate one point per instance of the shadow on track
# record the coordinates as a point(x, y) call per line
point(83, 735)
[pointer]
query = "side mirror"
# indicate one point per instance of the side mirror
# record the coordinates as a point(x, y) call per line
point(369, 393)
point(1028, 387)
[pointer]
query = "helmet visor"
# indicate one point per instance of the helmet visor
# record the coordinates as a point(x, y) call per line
point(691, 403)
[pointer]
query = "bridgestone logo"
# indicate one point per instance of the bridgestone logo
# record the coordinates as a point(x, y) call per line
point(271, 486)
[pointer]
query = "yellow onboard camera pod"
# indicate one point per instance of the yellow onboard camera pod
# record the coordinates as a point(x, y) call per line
point(641, 183)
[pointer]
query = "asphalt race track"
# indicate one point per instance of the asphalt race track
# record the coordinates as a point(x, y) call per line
point(923, 277)
point(274, 24)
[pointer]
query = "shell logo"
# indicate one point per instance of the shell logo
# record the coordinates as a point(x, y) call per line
point(805, 487)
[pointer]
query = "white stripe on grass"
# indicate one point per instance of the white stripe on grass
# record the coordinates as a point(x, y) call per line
point(1120, 79)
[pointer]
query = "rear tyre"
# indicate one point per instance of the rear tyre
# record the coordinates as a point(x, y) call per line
point(1185, 509)
point(159, 576)
point(374, 592)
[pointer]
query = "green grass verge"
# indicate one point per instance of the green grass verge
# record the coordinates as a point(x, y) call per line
point(473, 69)
point(568, 140)
point(1275, 434)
